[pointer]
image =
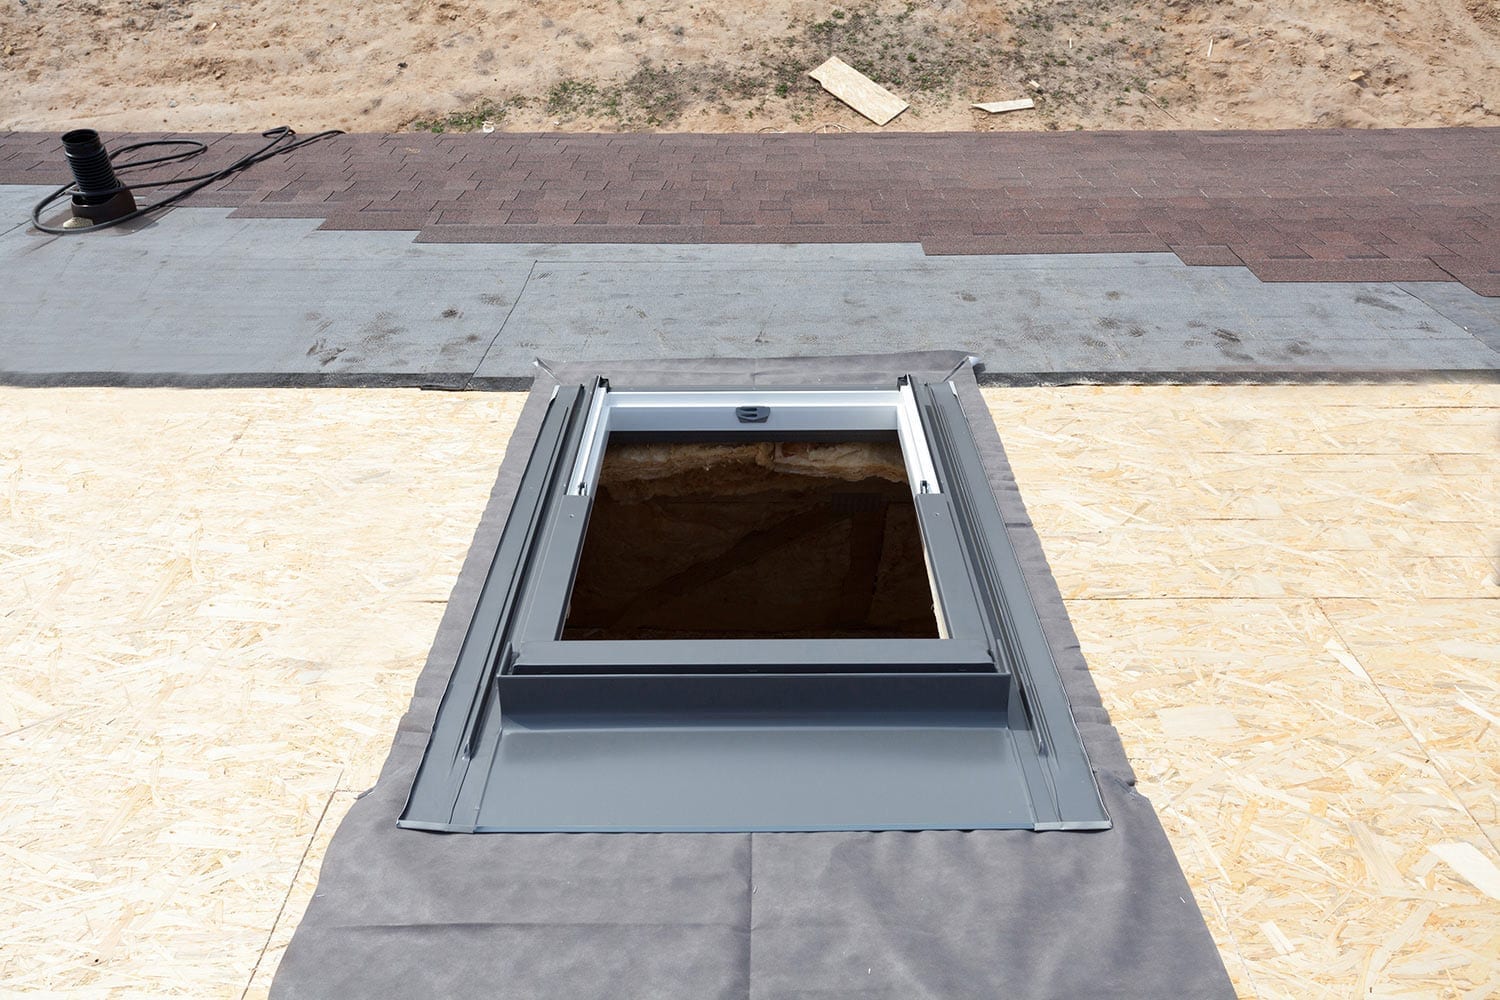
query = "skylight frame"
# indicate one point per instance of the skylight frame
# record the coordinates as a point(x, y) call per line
point(515, 674)
point(784, 411)
point(836, 413)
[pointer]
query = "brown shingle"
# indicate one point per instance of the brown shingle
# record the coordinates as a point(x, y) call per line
point(1315, 205)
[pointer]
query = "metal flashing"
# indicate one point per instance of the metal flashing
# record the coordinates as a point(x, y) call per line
point(968, 731)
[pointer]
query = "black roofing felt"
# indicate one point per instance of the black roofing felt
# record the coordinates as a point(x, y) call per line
point(402, 913)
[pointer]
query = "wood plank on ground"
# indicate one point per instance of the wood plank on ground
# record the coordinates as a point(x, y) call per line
point(999, 107)
point(858, 91)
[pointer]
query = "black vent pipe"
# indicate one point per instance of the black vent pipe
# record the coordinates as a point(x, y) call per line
point(100, 196)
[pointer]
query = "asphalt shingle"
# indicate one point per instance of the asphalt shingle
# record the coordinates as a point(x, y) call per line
point(1316, 205)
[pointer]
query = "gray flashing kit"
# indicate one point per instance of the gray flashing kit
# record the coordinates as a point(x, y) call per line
point(970, 730)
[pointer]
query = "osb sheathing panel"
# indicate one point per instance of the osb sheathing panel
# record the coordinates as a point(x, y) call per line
point(212, 609)
point(1289, 600)
point(213, 605)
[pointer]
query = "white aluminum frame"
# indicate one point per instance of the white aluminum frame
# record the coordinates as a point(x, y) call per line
point(788, 412)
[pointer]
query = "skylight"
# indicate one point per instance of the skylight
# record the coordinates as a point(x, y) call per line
point(735, 609)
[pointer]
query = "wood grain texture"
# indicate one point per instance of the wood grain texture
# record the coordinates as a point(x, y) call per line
point(1000, 107)
point(214, 604)
point(1290, 601)
point(214, 607)
point(858, 91)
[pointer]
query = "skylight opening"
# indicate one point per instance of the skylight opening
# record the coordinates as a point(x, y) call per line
point(752, 539)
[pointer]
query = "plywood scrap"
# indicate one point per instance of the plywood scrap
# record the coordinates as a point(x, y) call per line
point(1000, 107)
point(858, 91)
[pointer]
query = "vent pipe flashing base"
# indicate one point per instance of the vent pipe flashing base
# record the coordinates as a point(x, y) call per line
point(100, 196)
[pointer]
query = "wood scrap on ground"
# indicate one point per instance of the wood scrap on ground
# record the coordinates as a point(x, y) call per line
point(1000, 107)
point(858, 91)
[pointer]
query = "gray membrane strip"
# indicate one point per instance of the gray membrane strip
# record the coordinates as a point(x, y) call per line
point(401, 913)
point(197, 298)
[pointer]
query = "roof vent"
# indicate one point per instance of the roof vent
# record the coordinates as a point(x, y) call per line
point(100, 196)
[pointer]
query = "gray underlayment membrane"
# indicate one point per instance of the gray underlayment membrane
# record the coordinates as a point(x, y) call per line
point(198, 298)
point(401, 913)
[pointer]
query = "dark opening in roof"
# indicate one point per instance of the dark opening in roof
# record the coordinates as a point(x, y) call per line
point(752, 540)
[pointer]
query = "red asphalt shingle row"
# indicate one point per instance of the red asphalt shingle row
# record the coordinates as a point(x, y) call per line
point(1328, 205)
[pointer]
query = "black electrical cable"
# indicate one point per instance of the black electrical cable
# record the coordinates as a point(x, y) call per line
point(283, 140)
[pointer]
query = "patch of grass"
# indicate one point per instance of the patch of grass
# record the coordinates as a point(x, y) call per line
point(651, 97)
point(569, 97)
point(1099, 71)
point(469, 120)
point(910, 55)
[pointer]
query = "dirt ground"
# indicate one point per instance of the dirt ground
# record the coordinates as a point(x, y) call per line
point(607, 65)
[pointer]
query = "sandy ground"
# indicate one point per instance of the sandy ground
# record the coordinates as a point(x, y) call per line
point(667, 64)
